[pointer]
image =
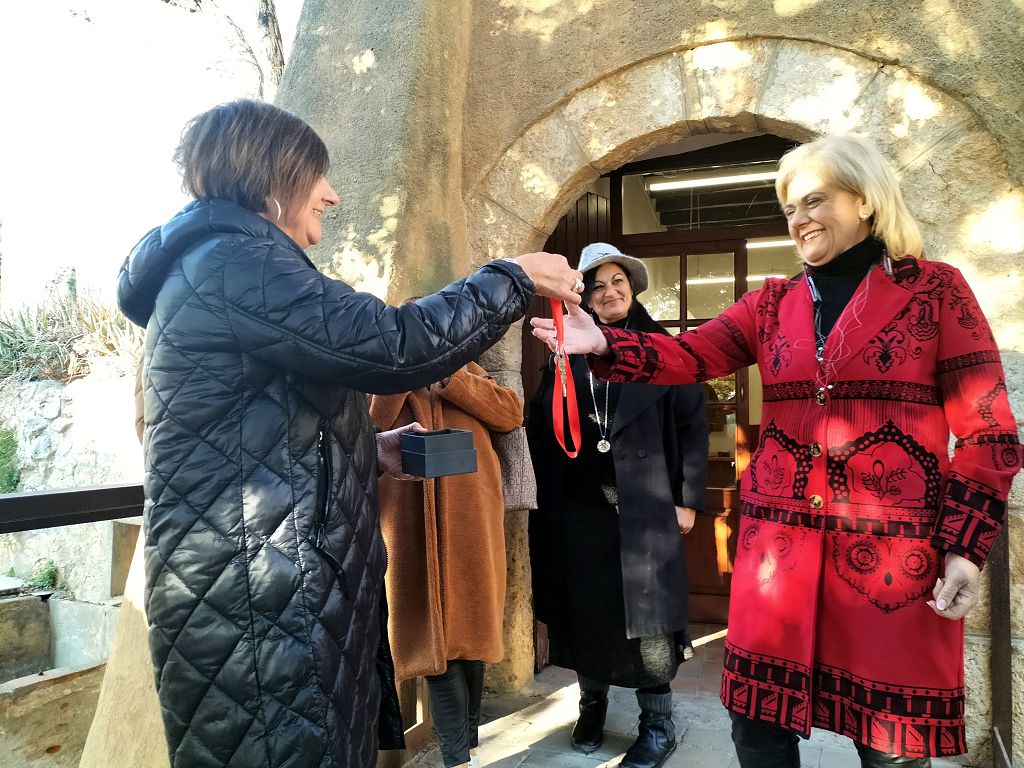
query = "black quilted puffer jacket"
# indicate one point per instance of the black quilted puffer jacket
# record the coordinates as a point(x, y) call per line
point(264, 558)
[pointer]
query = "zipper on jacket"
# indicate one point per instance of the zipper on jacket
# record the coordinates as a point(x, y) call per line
point(323, 488)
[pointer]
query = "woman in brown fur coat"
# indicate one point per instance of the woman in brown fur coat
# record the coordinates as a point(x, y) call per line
point(446, 553)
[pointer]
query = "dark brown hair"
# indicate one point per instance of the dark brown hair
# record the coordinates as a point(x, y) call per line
point(248, 152)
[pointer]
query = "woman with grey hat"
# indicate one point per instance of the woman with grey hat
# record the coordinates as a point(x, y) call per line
point(607, 554)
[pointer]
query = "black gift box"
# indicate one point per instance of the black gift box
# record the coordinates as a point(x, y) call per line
point(438, 453)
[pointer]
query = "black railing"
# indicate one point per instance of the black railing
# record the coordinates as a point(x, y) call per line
point(49, 509)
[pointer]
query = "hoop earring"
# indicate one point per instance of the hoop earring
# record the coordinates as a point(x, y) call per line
point(278, 208)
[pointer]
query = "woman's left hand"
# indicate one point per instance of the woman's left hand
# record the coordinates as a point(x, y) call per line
point(389, 451)
point(958, 589)
point(685, 517)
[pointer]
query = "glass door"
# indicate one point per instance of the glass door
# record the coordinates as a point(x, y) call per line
point(690, 284)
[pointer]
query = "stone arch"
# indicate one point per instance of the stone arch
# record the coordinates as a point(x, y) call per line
point(954, 175)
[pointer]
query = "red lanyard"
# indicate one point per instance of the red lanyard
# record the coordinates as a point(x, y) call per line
point(563, 380)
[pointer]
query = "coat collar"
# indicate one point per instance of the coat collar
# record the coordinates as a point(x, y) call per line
point(874, 304)
point(634, 399)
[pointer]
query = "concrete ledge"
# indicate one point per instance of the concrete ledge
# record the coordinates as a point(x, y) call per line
point(45, 718)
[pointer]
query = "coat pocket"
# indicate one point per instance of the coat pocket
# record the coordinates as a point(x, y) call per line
point(324, 477)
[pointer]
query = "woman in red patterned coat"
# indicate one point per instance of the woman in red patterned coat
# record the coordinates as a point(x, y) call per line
point(861, 540)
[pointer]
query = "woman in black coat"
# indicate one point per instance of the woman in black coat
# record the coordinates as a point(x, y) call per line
point(264, 557)
point(609, 570)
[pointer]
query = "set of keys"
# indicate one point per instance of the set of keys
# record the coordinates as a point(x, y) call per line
point(560, 364)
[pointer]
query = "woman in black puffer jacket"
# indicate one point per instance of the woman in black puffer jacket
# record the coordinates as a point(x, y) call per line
point(264, 558)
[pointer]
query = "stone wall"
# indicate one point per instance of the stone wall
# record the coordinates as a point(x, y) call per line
point(72, 436)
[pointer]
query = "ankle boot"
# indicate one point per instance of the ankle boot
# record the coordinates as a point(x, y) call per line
point(871, 758)
point(588, 734)
point(657, 738)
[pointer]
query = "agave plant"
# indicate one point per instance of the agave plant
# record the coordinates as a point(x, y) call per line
point(63, 337)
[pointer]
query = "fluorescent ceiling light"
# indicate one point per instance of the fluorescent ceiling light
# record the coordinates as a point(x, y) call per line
point(724, 280)
point(714, 181)
point(769, 244)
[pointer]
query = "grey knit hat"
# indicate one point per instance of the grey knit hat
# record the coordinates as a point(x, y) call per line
point(596, 254)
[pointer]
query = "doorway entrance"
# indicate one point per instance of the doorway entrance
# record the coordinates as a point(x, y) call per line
point(708, 227)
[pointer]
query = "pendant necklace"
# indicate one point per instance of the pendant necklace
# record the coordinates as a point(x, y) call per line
point(602, 445)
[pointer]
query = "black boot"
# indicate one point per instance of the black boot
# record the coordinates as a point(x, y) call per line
point(657, 738)
point(872, 758)
point(588, 734)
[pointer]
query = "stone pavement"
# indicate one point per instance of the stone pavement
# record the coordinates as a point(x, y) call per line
point(533, 729)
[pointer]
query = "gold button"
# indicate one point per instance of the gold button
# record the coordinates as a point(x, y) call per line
point(816, 501)
point(820, 398)
point(815, 449)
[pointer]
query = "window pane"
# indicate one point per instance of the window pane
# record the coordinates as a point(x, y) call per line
point(686, 198)
point(721, 447)
point(770, 257)
point(721, 390)
point(662, 295)
point(709, 284)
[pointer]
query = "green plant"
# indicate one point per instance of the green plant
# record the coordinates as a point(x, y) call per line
point(10, 473)
point(9, 572)
point(61, 338)
point(43, 577)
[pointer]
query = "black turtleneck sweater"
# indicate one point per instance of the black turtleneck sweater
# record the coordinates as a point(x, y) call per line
point(837, 280)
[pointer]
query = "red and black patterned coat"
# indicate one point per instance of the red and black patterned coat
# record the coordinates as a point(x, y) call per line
point(851, 498)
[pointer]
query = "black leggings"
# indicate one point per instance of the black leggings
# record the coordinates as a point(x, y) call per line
point(455, 700)
point(589, 684)
point(763, 745)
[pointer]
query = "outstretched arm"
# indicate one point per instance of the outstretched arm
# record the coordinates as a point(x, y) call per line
point(282, 310)
point(718, 348)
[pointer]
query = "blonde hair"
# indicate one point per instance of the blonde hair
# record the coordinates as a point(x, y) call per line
point(855, 165)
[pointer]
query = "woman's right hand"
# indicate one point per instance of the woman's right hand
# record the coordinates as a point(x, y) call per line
point(552, 276)
point(582, 336)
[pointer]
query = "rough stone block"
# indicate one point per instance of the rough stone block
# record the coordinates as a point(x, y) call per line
point(495, 233)
point(540, 173)
point(139, 740)
point(1016, 540)
point(624, 114)
point(24, 637)
point(905, 117)
point(814, 87)
point(124, 536)
point(978, 621)
point(723, 80)
point(44, 719)
point(978, 692)
point(956, 177)
point(516, 669)
point(504, 360)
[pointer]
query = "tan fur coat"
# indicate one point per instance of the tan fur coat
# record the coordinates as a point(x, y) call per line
point(446, 536)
